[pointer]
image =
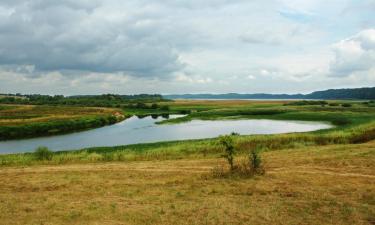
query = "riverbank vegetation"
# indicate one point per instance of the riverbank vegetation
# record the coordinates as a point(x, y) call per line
point(22, 121)
point(355, 124)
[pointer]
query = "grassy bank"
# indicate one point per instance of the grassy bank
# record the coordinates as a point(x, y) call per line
point(22, 121)
point(197, 148)
point(304, 185)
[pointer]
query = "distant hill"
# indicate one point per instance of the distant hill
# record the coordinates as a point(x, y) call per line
point(355, 94)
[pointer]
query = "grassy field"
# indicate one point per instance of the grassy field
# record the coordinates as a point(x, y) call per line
point(20, 121)
point(308, 185)
point(321, 177)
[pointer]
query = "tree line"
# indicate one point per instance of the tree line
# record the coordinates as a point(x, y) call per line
point(105, 100)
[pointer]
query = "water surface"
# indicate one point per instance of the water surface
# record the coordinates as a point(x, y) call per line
point(136, 130)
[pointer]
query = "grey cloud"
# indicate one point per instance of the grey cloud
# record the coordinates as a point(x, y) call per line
point(91, 46)
point(80, 35)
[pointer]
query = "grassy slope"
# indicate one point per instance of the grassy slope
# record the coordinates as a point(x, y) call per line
point(307, 185)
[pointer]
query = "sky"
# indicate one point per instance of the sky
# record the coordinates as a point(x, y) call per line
point(74, 47)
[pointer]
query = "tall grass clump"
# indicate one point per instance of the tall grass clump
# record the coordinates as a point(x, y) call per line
point(43, 153)
point(255, 160)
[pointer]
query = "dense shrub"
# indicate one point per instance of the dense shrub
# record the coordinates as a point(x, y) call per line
point(346, 105)
point(165, 107)
point(305, 102)
point(43, 153)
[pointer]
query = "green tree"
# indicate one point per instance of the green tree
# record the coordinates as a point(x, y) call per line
point(154, 106)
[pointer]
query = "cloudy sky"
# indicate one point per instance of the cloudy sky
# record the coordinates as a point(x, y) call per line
point(185, 46)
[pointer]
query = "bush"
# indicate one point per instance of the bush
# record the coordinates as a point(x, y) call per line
point(245, 167)
point(254, 160)
point(305, 102)
point(43, 153)
point(165, 107)
point(227, 142)
point(346, 105)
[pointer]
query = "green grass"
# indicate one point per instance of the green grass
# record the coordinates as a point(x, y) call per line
point(198, 148)
point(351, 126)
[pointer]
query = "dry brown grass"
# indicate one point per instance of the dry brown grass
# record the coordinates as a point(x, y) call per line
point(315, 185)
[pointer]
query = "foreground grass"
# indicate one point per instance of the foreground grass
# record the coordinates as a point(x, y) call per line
point(306, 185)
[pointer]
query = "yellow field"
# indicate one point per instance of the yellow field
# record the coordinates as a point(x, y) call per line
point(311, 185)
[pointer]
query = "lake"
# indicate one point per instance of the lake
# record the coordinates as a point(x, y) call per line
point(144, 130)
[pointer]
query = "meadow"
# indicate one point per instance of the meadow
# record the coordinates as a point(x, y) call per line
point(320, 177)
point(331, 184)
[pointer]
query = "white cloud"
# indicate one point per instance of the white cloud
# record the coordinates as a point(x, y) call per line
point(354, 54)
point(251, 77)
point(193, 79)
point(264, 72)
point(264, 37)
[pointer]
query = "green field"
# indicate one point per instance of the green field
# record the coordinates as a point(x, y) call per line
point(321, 177)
